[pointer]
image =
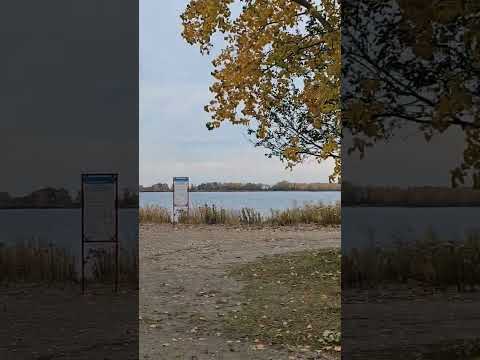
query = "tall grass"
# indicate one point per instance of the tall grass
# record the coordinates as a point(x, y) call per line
point(102, 265)
point(154, 214)
point(35, 263)
point(308, 214)
point(429, 261)
point(211, 215)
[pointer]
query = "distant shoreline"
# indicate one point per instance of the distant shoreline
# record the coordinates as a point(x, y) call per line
point(46, 207)
point(406, 205)
point(225, 191)
point(245, 187)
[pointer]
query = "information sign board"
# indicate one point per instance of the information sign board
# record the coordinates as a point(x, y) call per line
point(99, 207)
point(99, 196)
point(180, 192)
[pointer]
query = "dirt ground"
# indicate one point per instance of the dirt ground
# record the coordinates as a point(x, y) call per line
point(59, 323)
point(396, 323)
point(184, 290)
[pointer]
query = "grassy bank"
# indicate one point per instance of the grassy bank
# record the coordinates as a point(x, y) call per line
point(290, 300)
point(429, 262)
point(102, 262)
point(35, 263)
point(324, 215)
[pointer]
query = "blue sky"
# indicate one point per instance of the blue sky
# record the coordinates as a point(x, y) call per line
point(174, 81)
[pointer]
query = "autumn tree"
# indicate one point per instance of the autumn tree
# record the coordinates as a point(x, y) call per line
point(412, 62)
point(278, 72)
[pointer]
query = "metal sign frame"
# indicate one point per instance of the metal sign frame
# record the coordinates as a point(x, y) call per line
point(114, 240)
point(187, 179)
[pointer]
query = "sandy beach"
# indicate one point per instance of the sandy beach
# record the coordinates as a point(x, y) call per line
point(184, 292)
point(184, 289)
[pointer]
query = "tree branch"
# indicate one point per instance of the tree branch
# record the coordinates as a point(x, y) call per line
point(315, 13)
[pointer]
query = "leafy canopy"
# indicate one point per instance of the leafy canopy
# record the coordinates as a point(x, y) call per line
point(278, 72)
point(417, 62)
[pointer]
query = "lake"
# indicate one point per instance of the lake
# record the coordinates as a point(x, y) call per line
point(61, 228)
point(360, 225)
point(382, 226)
point(262, 201)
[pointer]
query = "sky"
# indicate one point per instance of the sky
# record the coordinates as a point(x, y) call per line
point(174, 81)
point(68, 103)
point(174, 141)
point(69, 107)
point(406, 160)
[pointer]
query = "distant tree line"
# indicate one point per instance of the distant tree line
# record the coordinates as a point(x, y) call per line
point(231, 186)
point(58, 198)
point(288, 186)
point(354, 195)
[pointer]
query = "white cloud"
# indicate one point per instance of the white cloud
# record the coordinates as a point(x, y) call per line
point(173, 138)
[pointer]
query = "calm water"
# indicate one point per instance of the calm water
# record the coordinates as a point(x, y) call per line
point(363, 226)
point(261, 201)
point(62, 227)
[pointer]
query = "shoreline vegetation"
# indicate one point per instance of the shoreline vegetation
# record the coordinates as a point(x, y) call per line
point(239, 187)
point(429, 262)
point(59, 198)
point(425, 196)
point(30, 263)
point(324, 215)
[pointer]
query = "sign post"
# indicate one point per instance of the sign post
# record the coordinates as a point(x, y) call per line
point(181, 195)
point(99, 197)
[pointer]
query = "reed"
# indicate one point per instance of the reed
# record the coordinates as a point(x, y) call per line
point(210, 215)
point(39, 264)
point(102, 265)
point(35, 263)
point(429, 261)
point(154, 214)
point(318, 214)
point(309, 214)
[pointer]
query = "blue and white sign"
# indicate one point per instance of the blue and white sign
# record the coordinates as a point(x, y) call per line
point(99, 207)
point(180, 192)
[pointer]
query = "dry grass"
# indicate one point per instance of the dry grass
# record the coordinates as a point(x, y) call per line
point(309, 214)
point(102, 262)
point(154, 214)
point(429, 262)
point(35, 263)
point(212, 215)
